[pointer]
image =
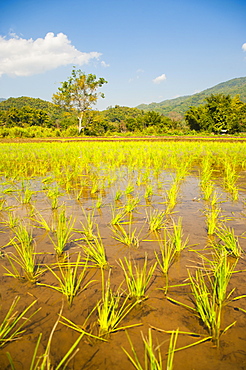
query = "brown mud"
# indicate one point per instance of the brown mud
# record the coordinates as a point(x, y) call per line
point(156, 311)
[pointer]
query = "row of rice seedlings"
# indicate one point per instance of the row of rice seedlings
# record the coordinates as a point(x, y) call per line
point(152, 354)
point(111, 309)
point(12, 326)
point(137, 278)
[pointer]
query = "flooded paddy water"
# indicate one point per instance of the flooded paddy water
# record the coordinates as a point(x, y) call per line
point(178, 208)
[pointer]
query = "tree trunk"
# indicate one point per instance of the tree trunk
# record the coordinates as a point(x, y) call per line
point(80, 118)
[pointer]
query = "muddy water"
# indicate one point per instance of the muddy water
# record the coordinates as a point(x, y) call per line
point(156, 311)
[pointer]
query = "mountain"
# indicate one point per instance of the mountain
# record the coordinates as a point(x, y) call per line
point(181, 105)
point(2, 99)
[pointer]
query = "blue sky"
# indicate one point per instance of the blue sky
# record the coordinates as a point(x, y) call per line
point(147, 50)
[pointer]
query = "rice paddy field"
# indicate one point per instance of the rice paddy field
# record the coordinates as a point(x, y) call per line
point(123, 255)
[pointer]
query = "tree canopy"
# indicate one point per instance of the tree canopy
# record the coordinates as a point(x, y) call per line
point(79, 93)
point(219, 113)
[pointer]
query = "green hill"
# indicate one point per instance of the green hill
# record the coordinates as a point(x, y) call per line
point(26, 101)
point(181, 105)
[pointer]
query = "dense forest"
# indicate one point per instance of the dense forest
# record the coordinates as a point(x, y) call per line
point(209, 113)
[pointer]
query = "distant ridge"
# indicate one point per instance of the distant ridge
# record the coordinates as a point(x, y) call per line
point(181, 104)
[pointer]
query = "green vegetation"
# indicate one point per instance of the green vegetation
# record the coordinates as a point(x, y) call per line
point(222, 107)
point(180, 105)
point(111, 267)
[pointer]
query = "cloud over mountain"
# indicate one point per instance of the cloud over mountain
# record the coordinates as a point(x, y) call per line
point(160, 78)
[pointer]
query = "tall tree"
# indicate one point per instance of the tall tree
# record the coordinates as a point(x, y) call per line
point(79, 93)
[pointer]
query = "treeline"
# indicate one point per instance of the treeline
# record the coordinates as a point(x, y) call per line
point(29, 117)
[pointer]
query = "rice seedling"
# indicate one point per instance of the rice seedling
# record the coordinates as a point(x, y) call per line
point(112, 308)
point(212, 219)
point(26, 256)
point(129, 189)
point(156, 220)
point(44, 362)
point(172, 195)
point(148, 192)
point(12, 220)
point(25, 198)
point(89, 225)
point(229, 242)
point(99, 202)
point(69, 278)
point(230, 179)
point(117, 217)
point(208, 295)
point(118, 195)
point(40, 220)
point(131, 204)
point(177, 236)
point(54, 193)
point(171, 349)
point(214, 199)
point(208, 189)
point(167, 256)
point(130, 238)
point(12, 326)
point(137, 278)
point(152, 355)
point(63, 232)
point(95, 251)
point(222, 270)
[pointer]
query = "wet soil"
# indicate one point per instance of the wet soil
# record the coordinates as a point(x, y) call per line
point(156, 311)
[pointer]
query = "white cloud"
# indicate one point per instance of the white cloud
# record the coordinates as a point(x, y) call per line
point(244, 46)
point(159, 79)
point(104, 64)
point(22, 57)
